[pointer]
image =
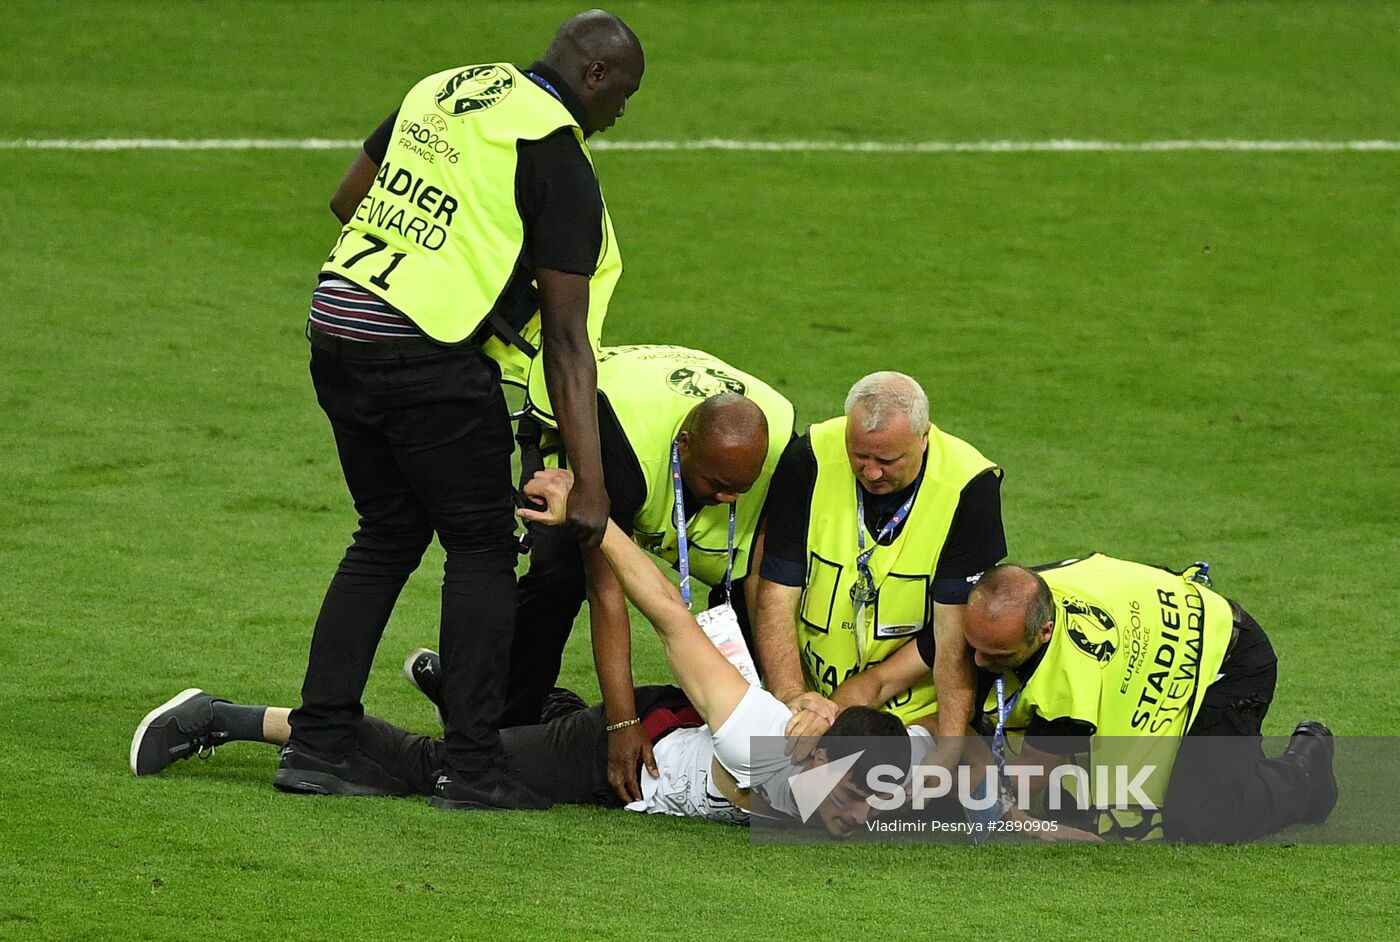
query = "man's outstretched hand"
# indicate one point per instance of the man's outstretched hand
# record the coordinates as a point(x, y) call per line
point(549, 487)
point(583, 512)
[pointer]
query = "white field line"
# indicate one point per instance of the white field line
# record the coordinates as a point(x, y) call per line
point(718, 144)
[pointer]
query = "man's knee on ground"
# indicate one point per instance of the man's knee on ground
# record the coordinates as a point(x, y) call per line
point(1211, 815)
point(1198, 828)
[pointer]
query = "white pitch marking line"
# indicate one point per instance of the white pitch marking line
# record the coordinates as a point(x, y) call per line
point(719, 144)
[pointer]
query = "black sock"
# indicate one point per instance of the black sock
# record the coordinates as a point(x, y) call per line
point(241, 721)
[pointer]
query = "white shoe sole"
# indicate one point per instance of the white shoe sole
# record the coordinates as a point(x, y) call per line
point(154, 715)
point(408, 675)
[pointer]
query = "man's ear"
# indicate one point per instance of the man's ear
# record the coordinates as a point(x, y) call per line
point(683, 442)
point(818, 757)
point(594, 74)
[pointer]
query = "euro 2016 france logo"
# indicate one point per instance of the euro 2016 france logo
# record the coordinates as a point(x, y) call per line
point(473, 89)
point(1093, 630)
point(703, 383)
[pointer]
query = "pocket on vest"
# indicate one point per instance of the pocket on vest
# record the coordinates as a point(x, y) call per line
point(819, 595)
point(901, 608)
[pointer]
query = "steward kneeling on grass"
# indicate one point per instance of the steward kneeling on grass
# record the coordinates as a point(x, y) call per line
point(684, 435)
point(702, 731)
point(1156, 677)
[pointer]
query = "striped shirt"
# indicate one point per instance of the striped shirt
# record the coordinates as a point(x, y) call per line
point(342, 309)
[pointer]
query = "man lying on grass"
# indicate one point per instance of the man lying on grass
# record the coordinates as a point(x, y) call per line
point(701, 731)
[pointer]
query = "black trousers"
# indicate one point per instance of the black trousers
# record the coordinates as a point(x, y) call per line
point(1223, 788)
point(424, 440)
point(552, 592)
point(565, 759)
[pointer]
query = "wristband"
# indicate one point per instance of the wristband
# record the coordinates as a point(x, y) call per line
point(613, 727)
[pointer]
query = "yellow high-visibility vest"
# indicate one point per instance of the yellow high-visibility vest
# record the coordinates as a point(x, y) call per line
point(651, 389)
point(439, 234)
point(1133, 651)
point(832, 645)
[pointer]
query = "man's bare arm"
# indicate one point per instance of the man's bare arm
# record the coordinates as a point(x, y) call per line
point(775, 635)
point(872, 687)
point(353, 187)
point(611, 631)
point(612, 637)
point(785, 680)
point(953, 670)
point(751, 585)
point(571, 375)
point(712, 684)
point(877, 685)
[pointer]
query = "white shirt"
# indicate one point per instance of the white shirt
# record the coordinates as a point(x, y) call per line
point(685, 759)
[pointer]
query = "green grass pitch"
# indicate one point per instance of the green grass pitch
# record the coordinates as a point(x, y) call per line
point(1174, 355)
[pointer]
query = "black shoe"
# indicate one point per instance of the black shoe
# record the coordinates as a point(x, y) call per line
point(353, 773)
point(180, 727)
point(492, 790)
point(561, 702)
point(423, 668)
point(1313, 748)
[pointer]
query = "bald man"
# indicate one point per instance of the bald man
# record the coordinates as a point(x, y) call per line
point(475, 242)
point(725, 430)
point(878, 524)
point(1155, 665)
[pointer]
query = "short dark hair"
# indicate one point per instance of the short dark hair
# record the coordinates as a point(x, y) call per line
point(1003, 586)
point(878, 735)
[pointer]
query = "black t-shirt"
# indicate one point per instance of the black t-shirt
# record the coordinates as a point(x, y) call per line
point(622, 472)
point(557, 194)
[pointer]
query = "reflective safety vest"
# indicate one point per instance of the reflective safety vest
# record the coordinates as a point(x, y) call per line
point(652, 389)
point(438, 236)
point(1133, 651)
point(833, 646)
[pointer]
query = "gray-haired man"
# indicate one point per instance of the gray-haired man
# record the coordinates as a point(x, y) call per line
point(876, 526)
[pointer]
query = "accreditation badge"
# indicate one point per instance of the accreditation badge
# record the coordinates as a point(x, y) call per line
point(721, 626)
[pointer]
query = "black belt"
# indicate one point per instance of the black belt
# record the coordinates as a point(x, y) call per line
point(494, 326)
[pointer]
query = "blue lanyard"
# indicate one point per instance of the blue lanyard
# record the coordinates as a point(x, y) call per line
point(542, 82)
point(893, 524)
point(1003, 711)
point(683, 538)
point(864, 589)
